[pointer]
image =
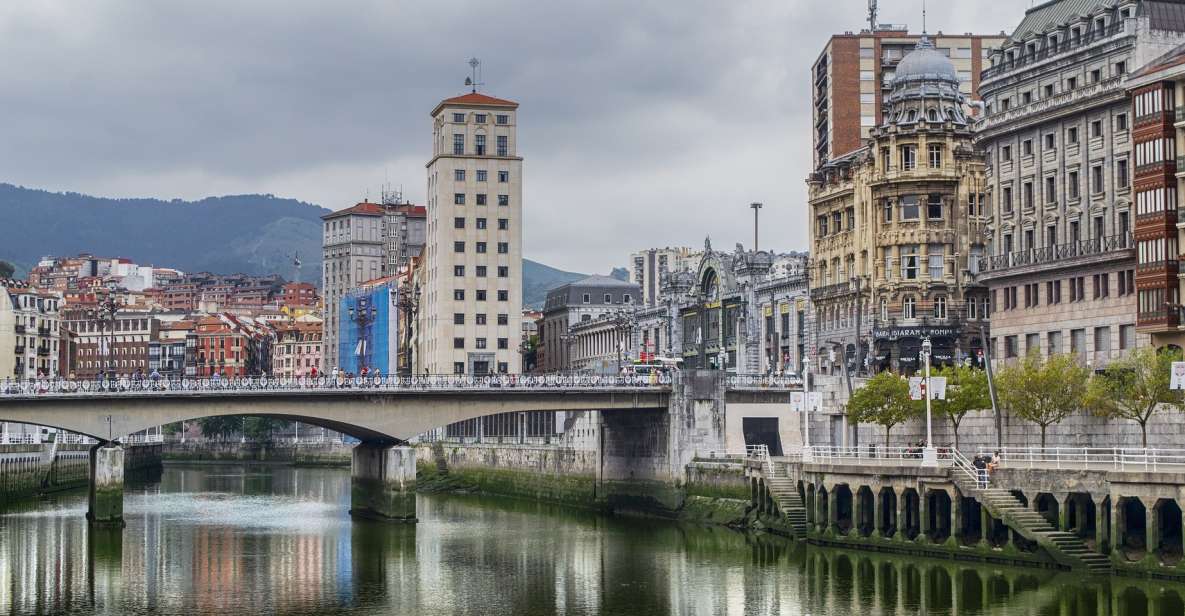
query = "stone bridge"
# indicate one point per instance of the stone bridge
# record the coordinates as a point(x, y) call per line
point(651, 428)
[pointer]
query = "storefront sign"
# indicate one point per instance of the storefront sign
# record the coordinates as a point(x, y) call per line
point(897, 333)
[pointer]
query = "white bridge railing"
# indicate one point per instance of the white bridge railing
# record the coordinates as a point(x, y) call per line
point(441, 382)
point(1091, 458)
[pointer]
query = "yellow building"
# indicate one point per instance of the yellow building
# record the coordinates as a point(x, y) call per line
point(897, 228)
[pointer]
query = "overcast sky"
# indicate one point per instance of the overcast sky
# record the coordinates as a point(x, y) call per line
point(641, 123)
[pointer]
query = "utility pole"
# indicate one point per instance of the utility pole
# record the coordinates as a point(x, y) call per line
point(756, 207)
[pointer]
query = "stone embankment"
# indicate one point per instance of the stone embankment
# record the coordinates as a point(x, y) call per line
point(304, 454)
point(28, 470)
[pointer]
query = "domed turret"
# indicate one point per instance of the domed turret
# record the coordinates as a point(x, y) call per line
point(925, 88)
point(925, 63)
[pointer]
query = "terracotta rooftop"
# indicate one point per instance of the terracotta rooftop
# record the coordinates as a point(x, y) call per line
point(367, 208)
point(476, 99)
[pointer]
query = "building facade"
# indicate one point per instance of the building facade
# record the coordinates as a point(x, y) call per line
point(1057, 133)
point(471, 306)
point(650, 268)
point(583, 301)
point(352, 253)
point(896, 225)
point(296, 351)
point(404, 230)
point(853, 75)
point(110, 343)
point(30, 332)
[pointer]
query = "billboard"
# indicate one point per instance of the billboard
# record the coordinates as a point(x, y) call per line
point(368, 336)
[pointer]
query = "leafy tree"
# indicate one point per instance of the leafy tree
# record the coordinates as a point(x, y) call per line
point(219, 428)
point(1134, 387)
point(883, 400)
point(260, 428)
point(6, 270)
point(1043, 391)
point(966, 391)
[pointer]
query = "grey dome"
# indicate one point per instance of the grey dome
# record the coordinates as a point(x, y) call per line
point(925, 63)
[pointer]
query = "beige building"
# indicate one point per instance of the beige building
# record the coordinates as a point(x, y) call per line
point(352, 252)
point(1058, 137)
point(895, 227)
point(852, 78)
point(650, 268)
point(471, 308)
point(30, 331)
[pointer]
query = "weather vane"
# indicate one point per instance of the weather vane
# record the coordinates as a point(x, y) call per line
point(474, 79)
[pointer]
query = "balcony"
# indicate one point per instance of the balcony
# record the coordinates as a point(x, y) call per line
point(1007, 117)
point(1063, 254)
point(1051, 50)
point(831, 290)
point(43, 351)
point(42, 331)
point(20, 349)
point(20, 329)
point(1179, 117)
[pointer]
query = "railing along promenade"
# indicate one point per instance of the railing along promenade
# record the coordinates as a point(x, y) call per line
point(450, 382)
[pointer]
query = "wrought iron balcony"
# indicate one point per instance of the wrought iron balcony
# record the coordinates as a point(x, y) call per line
point(831, 290)
point(1057, 252)
point(20, 349)
point(20, 329)
point(43, 351)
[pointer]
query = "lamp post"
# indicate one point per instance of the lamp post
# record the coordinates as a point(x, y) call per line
point(106, 312)
point(408, 303)
point(929, 453)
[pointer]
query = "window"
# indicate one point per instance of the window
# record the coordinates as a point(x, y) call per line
point(480, 118)
point(459, 117)
point(481, 175)
point(1006, 199)
point(1096, 179)
point(608, 298)
point(1072, 184)
point(503, 271)
point(1102, 285)
point(459, 175)
point(1053, 292)
point(937, 260)
point(909, 157)
point(1048, 90)
point(1010, 347)
point(458, 246)
point(1077, 289)
point(458, 318)
point(1095, 75)
point(909, 308)
point(503, 148)
point(1032, 297)
point(458, 367)
point(1055, 343)
point(503, 343)
point(459, 222)
point(503, 367)
point(1049, 141)
point(503, 295)
point(479, 271)
point(480, 318)
point(1026, 191)
point(459, 198)
point(1121, 176)
point(1026, 98)
point(1127, 282)
point(909, 207)
point(1071, 83)
point(458, 343)
point(503, 224)
point(458, 144)
point(480, 198)
point(481, 295)
point(1050, 190)
point(1072, 134)
point(935, 155)
point(885, 159)
point(1026, 147)
point(1121, 122)
point(909, 262)
point(459, 295)
point(503, 319)
point(480, 223)
point(480, 247)
point(940, 307)
point(1006, 154)
point(1096, 129)
point(503, 199)
point(480, 145)
point(503, 248)
point(480, 343)
point(1032, 343)
point(887, 205)
point(503, 176)
point(502, 119)
point(867, 76)
point(458, 270)
point(587, 298)
point(1127, 337)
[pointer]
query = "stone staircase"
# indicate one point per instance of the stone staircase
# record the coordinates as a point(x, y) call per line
point(784, 492)
point(1065, 548)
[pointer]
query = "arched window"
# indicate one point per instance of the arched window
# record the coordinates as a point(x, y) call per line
point(932, 115)
point(884, 309)
point(940, 307)
point(909, 308)
point(913, 115)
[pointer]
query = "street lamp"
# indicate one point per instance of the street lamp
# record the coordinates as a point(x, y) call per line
point(107, 309)
point(929, 454)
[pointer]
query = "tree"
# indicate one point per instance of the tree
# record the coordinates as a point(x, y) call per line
point(6, 270)
point(884, 400)
point(966, 391)
point(260, 428)
point(1043, 391)
point(219, 428)
point(1134, 387)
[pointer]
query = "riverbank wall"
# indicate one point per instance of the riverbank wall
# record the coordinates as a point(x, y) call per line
point(302, 454)
point(28, 470)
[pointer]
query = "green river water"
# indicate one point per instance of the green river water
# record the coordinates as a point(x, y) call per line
point(265, 539)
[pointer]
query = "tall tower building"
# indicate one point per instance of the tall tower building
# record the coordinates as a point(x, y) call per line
point(471, 308)
point(352, 253)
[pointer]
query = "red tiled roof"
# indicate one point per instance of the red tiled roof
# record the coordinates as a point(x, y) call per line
point(365, 208)
point(475, 99)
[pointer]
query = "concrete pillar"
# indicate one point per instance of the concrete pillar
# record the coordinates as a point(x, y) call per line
point(1102, 530)
point(956, 516)
point(832, 511)
point(1063, 511)
point(924, 513)
point(985, 526)
point(383, 482)
point(106, 486)
point(1151, 528)
point(900, 498)
point(878, 515)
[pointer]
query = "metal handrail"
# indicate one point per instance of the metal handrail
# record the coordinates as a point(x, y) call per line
point(1091, 458)
point(960, 462)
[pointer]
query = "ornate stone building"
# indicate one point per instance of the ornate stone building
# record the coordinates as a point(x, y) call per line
point(896, 227)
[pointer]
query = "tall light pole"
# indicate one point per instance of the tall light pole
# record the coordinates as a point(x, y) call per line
point(929, 454)
point(756, 206)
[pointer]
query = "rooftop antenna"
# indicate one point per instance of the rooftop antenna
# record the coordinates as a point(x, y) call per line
point(296, 264)
point(474, 78)
point(872, 15)
point(923, 17)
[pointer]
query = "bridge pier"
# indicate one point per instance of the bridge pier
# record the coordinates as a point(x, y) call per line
point(383, 482)
point(105, 506)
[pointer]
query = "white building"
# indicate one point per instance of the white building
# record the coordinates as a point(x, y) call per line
point(471, 306)
point(650, 268)
point(352, 253)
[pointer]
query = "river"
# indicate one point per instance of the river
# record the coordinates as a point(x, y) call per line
point(265, 539)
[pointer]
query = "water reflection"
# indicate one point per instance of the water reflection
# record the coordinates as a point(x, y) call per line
point(265, 539)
